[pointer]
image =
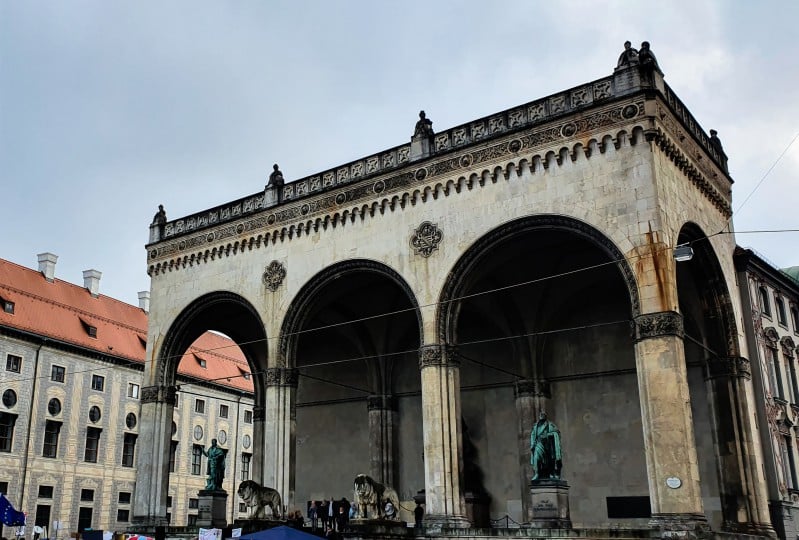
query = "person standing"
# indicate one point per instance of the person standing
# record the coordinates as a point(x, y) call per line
point(312, 515)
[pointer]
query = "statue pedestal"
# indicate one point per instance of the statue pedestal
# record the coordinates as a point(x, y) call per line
point(212, 509)
point(550, 504)
point(477, 510)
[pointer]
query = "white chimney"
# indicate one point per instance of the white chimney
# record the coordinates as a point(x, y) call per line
point(91, 280)
point(47, 265)
point(144, 301)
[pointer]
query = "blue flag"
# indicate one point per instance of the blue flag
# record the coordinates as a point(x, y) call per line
point(8, 515)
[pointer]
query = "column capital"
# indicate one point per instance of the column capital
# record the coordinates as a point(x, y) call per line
point(728, 367)
point(653, 325)
point(436, 354)
point(384, 402)
point(279, 376)
point(159, 394)
point(532, 388)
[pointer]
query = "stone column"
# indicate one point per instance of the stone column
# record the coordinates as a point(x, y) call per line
point(382, 431)
point(531, 396)
point(152, 456)
point(279, 433)
point(667, 421)
point(441, 415)
point(744, 501)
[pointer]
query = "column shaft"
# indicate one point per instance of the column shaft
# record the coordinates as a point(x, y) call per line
point(279, 433)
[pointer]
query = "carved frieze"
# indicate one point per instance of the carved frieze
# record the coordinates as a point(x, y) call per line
point(425, 239)
point(274, 275)
point(282, 377)
point(532, 387)
point(653, 325)
point(159, 394)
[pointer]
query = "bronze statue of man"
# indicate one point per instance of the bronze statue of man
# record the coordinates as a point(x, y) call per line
point(216, 466)
point(545, 452)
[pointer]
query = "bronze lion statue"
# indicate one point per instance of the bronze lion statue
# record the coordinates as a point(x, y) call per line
point(258, 497)
point(370, 498)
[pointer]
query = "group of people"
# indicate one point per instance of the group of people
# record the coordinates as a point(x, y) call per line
point(332, 515)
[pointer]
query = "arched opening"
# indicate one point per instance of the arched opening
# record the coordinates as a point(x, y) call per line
point(353, 334)
point(539, 311)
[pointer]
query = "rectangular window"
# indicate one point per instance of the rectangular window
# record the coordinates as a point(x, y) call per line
point(794, 382)
point(123, 515)
point(199, 406)
point(765, 305)
point(128, 449)
point(13, 363)
point(795, 318)
point(51, 431)
point(169, 501)
point(248, 417)
point(245, 466)
point(7, 422)
point(173, 452)
point(789, 466)
point(57, 373)
point(92, 444)
point(98, 382)
point(84, 519)
point(194, 504)
point(223, 411)
point(87, 495)
point(192, 520)
point(8, 307)
point(124, 497)
point(242, 508)
point(4, 487)
point(196, 459)
point(42, 515)
point(45, 492)
point(782, 317)
point(133, 390)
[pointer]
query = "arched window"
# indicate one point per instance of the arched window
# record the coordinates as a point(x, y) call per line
point(782, 318)
point(765, 305)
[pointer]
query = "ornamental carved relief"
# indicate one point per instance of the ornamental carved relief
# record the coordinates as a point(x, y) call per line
point(381, 403)
point(274, 275)
point(728, 367)
point(652, 325)
point(437, 355)
point(282, 377)
point(159, 394)
point(426, 238)
point(532, 387)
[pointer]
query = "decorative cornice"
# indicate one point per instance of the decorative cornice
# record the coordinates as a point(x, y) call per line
point(381, 403)
point(159, 394)
point(282, 377)
point(729, 367)
point(654, 325)
point(399, 188)
point(532, 388)
point(436, 355)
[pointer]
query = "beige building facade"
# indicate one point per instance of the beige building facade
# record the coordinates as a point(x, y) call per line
point(408, 314)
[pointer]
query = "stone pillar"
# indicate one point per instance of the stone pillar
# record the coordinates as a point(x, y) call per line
point(382, 433)
point(441, 416)
point(667, 421)
point(531, 396)
point(152, 456)
point(744, 501)
point(279, 433)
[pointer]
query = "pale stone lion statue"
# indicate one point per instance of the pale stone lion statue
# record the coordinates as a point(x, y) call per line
point(371, 498)
point(258, 497)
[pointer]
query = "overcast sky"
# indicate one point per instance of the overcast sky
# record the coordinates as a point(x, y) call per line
point(109, 108)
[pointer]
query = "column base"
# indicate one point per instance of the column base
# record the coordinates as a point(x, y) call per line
point(753, 529)
point(681, 526)
point(148, 522)
point(444, 521)
point(549, 508)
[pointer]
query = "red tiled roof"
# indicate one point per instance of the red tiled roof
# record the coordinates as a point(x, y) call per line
point(63, 311)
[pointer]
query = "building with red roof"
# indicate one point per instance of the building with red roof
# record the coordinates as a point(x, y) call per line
point(71, 367)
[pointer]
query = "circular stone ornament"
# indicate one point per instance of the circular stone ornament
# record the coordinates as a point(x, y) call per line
point(673, 482)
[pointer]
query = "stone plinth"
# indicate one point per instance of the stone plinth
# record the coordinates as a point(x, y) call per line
point(212, 509)
point(549, 508)
point(477, 510)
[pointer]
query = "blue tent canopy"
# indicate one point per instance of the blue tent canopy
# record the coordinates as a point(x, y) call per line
point(279, 533)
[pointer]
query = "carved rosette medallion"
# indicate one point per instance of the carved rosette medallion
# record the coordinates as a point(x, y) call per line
point(282, 377)
point(532, 388)
point(274, 275)
point(728, 367)
point(426, 238)
point(652, 325)
point(159, 394)
point(437, 355)
point(381, 403)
